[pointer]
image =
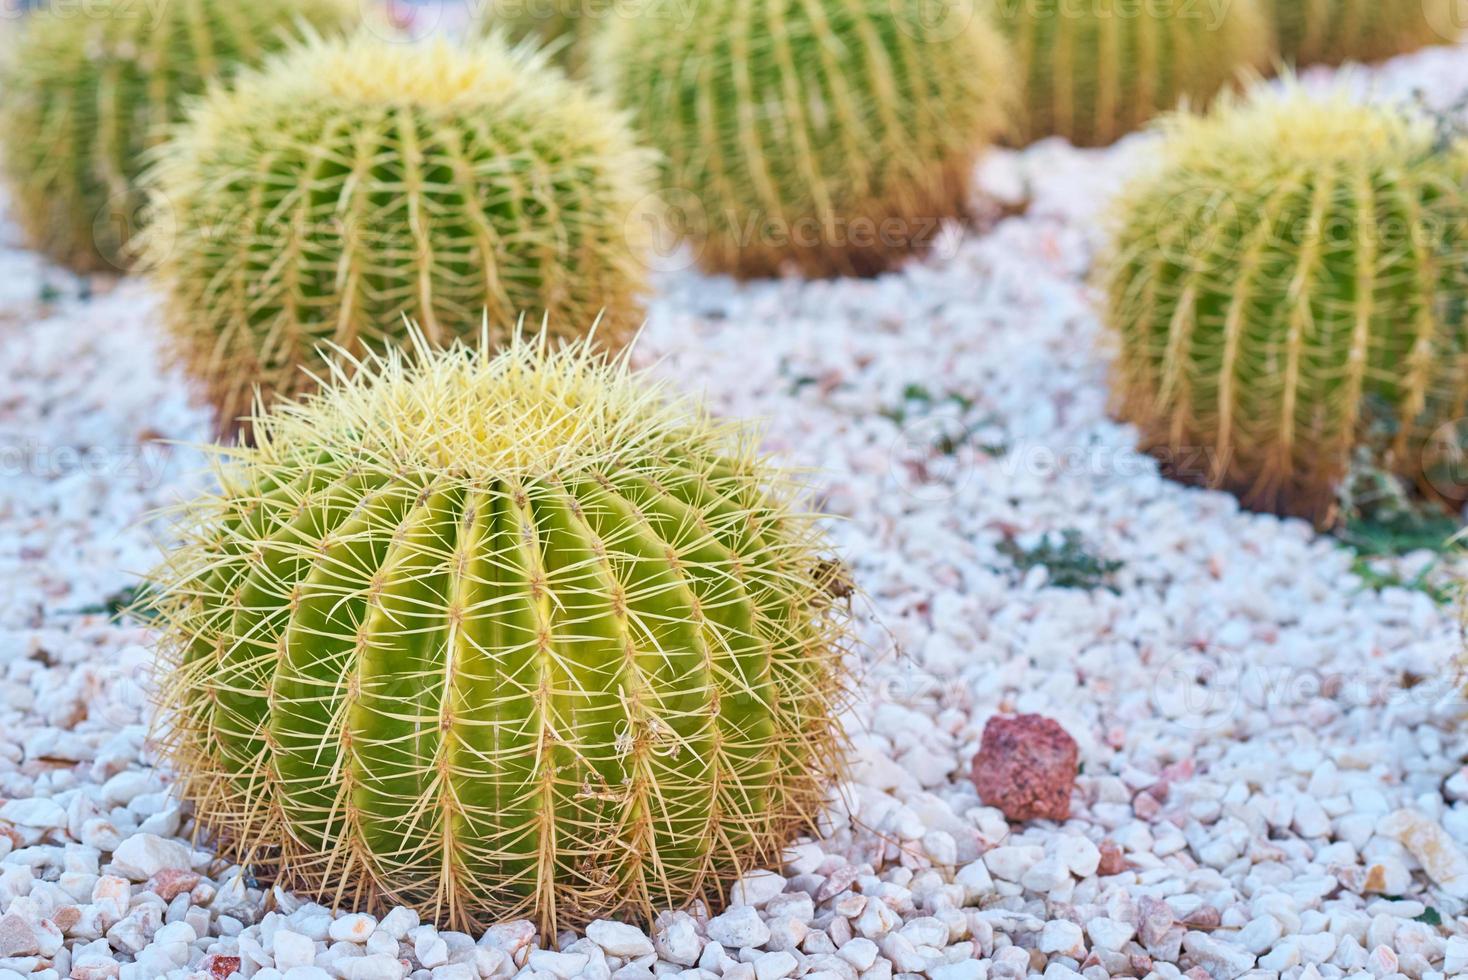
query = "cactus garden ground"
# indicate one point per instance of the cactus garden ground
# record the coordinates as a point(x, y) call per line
point(1272, 747)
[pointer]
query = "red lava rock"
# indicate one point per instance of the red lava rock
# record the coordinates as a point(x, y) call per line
point(1113, 861)
point(172, 882)
point(1026, 766)
point(220, 967)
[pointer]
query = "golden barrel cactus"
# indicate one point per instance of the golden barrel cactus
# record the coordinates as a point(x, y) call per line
point(1287, 286)
point(1333, 31)
point(88, 88)
point(353, 182)
point(1094, 70)
point(501, 635)
point(831, 137)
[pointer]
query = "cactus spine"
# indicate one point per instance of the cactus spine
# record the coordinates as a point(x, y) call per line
point(353, 182)
point(88, 89)
point(1094, 71)
point(1288, 286)
point(832, 136)
point(501, 636)
point(1333, 31)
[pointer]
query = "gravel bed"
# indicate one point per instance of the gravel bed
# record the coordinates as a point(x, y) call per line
point(1272, 750)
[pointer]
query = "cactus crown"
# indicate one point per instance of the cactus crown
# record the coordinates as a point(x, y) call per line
point(1093, 72)
point(85, 94)
point(497, 636)
point(352, 182)
point(833, 136)
point(1289, 285)
point(1333, 31)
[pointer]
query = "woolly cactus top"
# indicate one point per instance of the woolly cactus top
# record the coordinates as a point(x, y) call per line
point(1291, 128)
point(440, 73)
point(366, 73)
point(529, 412)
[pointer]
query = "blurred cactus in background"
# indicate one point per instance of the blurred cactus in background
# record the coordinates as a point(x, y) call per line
point(1289, 285)
point(832, 137)
point(87, 88)
point(1093, 72)
point(353, 182)
point(1333, 31)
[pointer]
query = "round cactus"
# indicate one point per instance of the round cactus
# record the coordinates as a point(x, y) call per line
point(1333, 31)
point(87, 89)
point(352, 182)
point(1289, 287)
point(830, 136)
point(501, 635)
point(1094, 71)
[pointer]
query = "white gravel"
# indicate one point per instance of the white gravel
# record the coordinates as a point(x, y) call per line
point(1276, 749)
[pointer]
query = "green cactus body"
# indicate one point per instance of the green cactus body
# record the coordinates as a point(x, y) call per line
point(1095, 70)
point(831, 137)
point(87, 89)
point(1290, 285)
point(353, 182)
point(1333, 31)
point(501, 636)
